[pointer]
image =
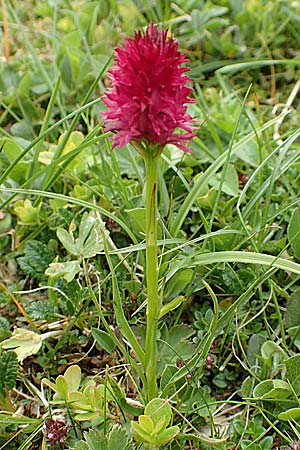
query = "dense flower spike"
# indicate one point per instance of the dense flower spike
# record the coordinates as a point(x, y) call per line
point(56, 430)
point(148, 98)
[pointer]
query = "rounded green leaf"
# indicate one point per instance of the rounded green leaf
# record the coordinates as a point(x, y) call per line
point(293, 372)
point(73, 377)
point(292, 315)
point(270, 348)
point(139, 434)
point(158, 408)
point(272, 389)
point(146, 424)
point(167, 435)
point(290, 414)
point(62, 387)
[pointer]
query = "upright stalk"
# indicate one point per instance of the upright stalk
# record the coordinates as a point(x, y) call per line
point(153, 306)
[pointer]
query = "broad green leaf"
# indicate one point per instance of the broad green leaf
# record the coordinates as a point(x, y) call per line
point(272, 389)
point(270, 348)
point(67, 241)
point(87, 416)
point(167, 435)
point(22, 129)
point(94, 243)
point(125, 161)
point(290, 414)
point(79, 401)
point(5, 222)
point(11, 149)
point(73, 39)
point(178, 282)
point(203, 403)
point(28, 214)
point(230, 185)
point(65, 67)
point(247, 386)
point(254, 348)
point(249, 153)
point(160, 425)
point(85, 227)
point(62, 387)
point(24, 343)
point(138, 433)
point(293, 372)
point(292, 315)
point(167, 373)
point(266, 443)
point(146, 424)
point(175, 345)
point(293, 233)
point(179, 333)
point(158, 408)
point(81, 445)
point(66, 270)
point(137, 217)
point(73, 377)
point(208, 199)
point(103, 339)
point(294, 334)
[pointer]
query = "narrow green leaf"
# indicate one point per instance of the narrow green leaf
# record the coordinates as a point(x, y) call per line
point(247, 258)
point(210, 171)
point(293, 233)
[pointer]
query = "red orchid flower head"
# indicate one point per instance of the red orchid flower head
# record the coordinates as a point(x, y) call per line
point(148, 98)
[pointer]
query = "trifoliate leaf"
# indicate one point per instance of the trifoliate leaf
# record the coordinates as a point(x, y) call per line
point(66, 270)
point(25, 342)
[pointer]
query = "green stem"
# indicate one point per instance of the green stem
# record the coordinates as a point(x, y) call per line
point(153, 306)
